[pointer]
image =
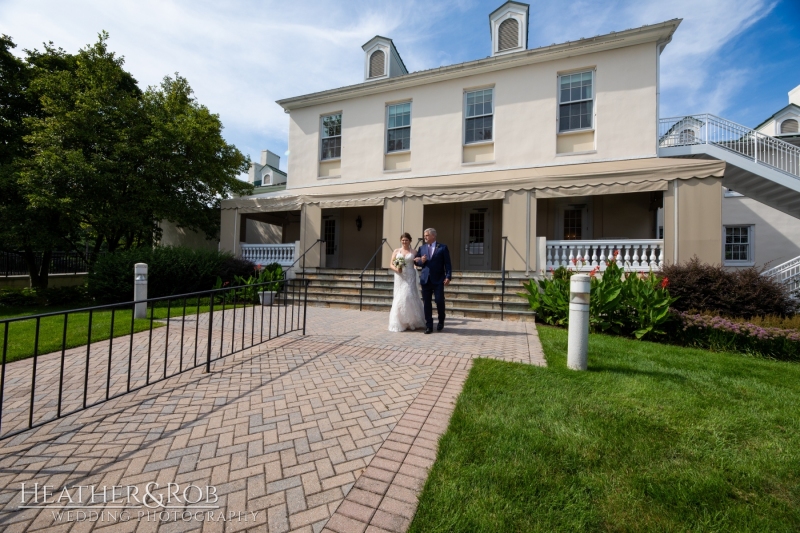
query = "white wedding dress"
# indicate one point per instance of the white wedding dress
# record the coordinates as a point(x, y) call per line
point(407, 311)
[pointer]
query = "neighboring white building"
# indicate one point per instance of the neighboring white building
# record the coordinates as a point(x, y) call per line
point(754, 233)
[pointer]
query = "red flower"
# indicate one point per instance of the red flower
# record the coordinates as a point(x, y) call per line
point(664, 283)
point(574, 261)
point(226, 283)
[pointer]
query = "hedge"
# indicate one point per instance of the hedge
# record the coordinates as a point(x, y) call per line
point(171, 270)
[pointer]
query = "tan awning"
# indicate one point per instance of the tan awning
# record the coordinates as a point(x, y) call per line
point(608, 177)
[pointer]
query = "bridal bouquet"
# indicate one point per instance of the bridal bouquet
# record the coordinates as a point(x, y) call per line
point(399, 262)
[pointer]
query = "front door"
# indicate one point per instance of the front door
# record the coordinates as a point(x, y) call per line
point(574, 221)
point(330, 233)
point(476, 234)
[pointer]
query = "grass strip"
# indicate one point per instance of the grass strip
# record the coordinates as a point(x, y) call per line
point(22, 334)
point(652, 438)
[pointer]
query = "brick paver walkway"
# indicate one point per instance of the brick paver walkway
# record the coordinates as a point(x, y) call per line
point(335, 430)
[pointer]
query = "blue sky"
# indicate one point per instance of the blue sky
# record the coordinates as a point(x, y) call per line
point(735, 58)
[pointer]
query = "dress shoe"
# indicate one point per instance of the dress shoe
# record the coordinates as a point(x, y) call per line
point(428, 330)
point(440, 326)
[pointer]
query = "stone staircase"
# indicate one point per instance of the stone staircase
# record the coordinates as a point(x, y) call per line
point(470, 294)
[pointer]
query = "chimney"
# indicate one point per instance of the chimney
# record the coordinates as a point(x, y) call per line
point(794, 96)
point(268, 158)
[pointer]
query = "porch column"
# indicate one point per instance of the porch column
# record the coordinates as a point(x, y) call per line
point(401, 215)
point(693, 220)
point(231, 232)
point(519, 225)
point(310, 231)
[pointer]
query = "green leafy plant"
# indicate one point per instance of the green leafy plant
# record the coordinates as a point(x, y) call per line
point(621, 303)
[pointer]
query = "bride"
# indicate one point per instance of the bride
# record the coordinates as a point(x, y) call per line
point(407, 311)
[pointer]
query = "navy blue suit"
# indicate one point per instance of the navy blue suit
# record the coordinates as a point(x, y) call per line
point(434, 271)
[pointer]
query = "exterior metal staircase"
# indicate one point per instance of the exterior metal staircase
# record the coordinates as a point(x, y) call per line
point(788, 273)
point(759, 166)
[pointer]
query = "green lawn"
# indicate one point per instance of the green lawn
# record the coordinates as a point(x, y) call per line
point(652, 438)
point(21, 334)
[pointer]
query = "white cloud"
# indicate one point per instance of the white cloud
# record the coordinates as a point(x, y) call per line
point(242, 56)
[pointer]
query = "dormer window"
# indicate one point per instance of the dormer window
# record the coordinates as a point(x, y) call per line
point(509, 27)
point(789, 126)
point(377, 64)
point(381, 59)
point(509, 35)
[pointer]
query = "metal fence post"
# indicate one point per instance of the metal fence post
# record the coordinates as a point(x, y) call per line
point(210, 332)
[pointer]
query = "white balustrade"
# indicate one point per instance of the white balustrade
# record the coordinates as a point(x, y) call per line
point(265, 254)
point(637, 255)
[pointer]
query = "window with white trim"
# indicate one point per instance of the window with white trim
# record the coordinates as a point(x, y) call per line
point(738, 246)
point(479, 116)
point(331, 137)
point(575, 101)
point(398, 127)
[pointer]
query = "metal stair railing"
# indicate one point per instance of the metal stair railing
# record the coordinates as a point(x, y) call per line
point(373, 260)
point(711, 129)
point(788, 273)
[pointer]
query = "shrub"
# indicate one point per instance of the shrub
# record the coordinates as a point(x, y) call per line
point(623, 303)
point(742, 293)
point(720, 334)
point(51, 296)
point(171, 270)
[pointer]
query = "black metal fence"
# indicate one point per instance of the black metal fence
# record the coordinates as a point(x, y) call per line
point(57, 364)
point(13, 263)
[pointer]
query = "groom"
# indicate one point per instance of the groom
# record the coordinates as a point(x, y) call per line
point(434, 258)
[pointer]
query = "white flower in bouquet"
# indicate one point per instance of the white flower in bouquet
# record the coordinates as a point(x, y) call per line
point(399, 262)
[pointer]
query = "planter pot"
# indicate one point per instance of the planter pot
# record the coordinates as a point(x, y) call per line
point(266, 297)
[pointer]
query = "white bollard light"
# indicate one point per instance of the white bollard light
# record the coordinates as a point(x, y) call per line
point(140, 290)
point(578, 337)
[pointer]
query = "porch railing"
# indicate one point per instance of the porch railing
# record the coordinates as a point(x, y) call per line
point(788, 273)
point(58, 364)
point(710, 129)
point(640, 255)
point(265, 254)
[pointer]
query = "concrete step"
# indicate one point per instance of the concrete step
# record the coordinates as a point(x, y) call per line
point(517, 305)
point(510, 297)
point(460, 273)
point(452, 310)
point(454, 287)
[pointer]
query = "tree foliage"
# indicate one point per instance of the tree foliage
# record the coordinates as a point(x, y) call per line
point(97, 160)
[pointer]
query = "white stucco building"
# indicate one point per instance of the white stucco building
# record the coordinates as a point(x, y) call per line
point(542, 155)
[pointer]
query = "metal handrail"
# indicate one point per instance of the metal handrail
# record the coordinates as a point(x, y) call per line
point(177, 355)
point(374, 273)
point(710, 129)
point(503, 281)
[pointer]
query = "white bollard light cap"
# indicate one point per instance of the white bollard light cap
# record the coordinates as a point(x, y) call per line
point(580, 283)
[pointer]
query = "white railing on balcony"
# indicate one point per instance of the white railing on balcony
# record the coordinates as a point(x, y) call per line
point(788, 273)
point(265, 254)
point(638, 255)
point(710, 129)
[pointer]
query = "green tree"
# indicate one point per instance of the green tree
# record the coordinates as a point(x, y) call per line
point(24, 227)
point(113, 160)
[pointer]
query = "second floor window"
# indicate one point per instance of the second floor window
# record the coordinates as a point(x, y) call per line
point(398, 134)
point(331, 137)
point(575, 100)
point(479, 116)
